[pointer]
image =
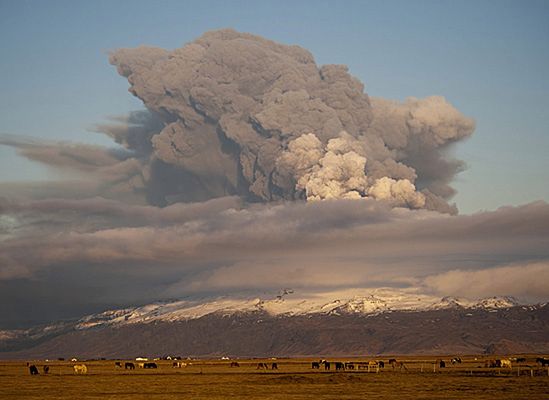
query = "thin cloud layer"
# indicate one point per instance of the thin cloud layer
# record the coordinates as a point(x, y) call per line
point(526, 281)
point(224, 247)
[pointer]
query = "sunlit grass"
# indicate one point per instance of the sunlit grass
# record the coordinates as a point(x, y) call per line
point(294, 379)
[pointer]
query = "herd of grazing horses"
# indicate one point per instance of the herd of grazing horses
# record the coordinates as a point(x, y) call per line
point(342, 366)
point(327, 365)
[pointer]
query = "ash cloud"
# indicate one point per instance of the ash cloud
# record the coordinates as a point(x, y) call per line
point(117, 253)
point(226, 110)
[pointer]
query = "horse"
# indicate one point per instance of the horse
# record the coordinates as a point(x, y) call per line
point(235, 364)
point(150, 365)
point(397, 364)
point(179, 364)
point(373, 364)
point(33, 370)
point(340, 366)
point(543, 361)
point(456, 360)
point(441, 363)
point(381, 364)
point(315, 365)
point(117, 364)
point(349, 365)
point(80, 369)
point(46, 369)
point(505, 363)
point(262, 365)
point(129, 365)
point(274, 366)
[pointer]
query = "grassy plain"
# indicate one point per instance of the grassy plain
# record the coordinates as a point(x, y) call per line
point(294, 379)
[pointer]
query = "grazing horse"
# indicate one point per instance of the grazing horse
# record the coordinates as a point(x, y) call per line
point(373, 364)
point(340, 366)
point(179, 364)
point(262, 365)
point(129, 365)
point(150, 365)
point(315, 365)
point(33, 370)
point(80, 369)
point(505, 363)
point(543, 361)
point(397, 364)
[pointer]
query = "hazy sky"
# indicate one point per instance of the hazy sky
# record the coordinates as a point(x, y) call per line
point(78, 222)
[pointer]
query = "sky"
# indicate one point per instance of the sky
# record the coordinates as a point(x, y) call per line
point(76, 217)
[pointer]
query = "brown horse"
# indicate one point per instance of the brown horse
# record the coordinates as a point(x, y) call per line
point(397, 364)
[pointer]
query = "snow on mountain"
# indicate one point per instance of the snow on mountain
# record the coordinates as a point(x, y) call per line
point(290, 304)
point(285, 304)
point(11, 334)
point(452, 302)
point(493, 303)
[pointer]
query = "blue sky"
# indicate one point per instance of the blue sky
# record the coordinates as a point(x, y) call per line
point(488, 58)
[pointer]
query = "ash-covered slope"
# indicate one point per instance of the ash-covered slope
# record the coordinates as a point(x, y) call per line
point(283, 326)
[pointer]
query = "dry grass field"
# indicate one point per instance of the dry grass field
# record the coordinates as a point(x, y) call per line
point(294, 379)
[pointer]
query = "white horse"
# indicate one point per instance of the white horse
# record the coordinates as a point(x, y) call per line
point(179, 364)
point(80, 369)
point(374, 365)
point(506, 363)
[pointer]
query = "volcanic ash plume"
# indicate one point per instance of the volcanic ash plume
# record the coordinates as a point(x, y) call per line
point(241, 115)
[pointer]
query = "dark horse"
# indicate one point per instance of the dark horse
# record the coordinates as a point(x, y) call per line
point(543, 361)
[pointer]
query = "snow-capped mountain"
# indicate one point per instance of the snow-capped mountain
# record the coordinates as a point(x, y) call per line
point(290, 323)
point(290, 304)
point(287, 303)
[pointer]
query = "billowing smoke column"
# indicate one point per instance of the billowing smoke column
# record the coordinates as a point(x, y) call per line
point(233, 113)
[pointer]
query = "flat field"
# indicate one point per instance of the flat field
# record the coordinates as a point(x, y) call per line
point(294, 379)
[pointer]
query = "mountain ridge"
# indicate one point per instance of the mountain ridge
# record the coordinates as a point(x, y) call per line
point(256, 327)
